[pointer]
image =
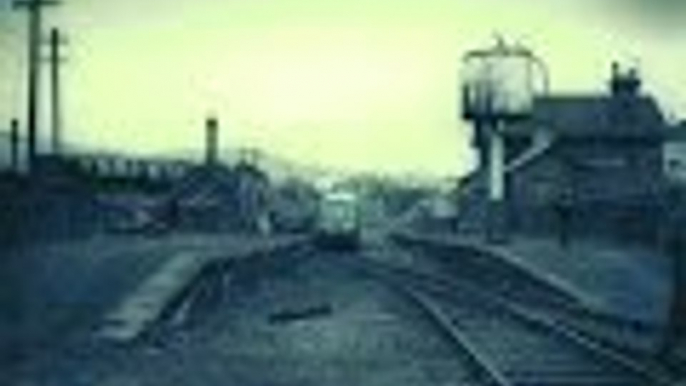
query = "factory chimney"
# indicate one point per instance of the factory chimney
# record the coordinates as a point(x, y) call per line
point(212, 140)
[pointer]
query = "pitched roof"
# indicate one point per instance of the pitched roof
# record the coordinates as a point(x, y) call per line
point(602, 116)
point(204, 181)
point(209, 182)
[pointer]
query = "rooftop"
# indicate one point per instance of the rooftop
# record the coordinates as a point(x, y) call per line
point(613, 116)
point(623, 112)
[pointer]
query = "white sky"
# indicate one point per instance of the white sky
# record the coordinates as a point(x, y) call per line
point(358, 84)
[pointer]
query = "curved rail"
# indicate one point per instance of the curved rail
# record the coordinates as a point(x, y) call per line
point(623, 333)
point(425, 288)
point(483, 369)
point(480, 363)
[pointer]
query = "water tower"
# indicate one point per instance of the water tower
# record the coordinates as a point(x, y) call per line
point(499, 85)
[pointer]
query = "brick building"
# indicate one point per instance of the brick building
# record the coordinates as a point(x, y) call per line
point(216, 198)
point(591, 163)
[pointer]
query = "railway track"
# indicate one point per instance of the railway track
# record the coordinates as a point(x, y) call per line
point(473, 369)
point(482, 369)
point(520, 286)
point(510, 344)
point(498, 340)
point(207, 291)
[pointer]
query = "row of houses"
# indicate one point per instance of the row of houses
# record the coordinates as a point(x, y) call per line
point(597, 164)
point(73, 197)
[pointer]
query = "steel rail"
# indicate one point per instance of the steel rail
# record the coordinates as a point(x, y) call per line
point(468, 350)
point(432, 284)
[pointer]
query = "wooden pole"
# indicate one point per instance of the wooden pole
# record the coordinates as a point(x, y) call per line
point(56, 41)
point(14, 145)
point(35, 10)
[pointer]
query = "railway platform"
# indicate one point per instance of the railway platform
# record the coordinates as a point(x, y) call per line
point(63, 289)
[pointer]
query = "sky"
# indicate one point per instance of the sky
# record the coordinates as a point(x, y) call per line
point(363, 85)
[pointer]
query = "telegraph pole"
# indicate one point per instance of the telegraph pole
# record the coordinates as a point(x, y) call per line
point(56, 41)
point(35, 14)
point(14, 144)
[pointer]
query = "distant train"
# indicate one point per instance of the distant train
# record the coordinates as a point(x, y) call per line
point(338, 221)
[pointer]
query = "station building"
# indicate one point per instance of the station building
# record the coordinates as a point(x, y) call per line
point(592, 163)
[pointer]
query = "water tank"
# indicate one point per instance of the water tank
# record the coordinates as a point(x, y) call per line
point(500, 83)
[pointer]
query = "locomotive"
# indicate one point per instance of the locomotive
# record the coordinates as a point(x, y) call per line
point(338, 220)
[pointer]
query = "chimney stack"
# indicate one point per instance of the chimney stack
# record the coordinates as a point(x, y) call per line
point(624, 82)
point(212, 139)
